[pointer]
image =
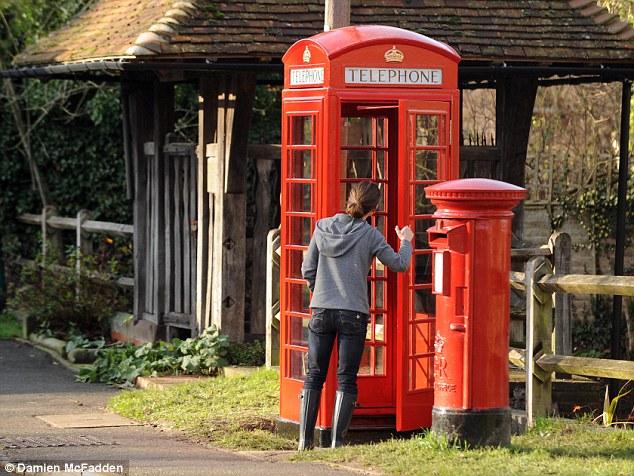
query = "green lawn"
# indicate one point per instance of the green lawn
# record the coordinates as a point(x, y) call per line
point(235, 413)
point(238, 413)
point(10, 326)
point(555, 447)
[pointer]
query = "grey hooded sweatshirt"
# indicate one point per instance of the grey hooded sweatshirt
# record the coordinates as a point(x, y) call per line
point(338, 259)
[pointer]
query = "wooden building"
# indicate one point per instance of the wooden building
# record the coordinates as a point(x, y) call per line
point(189, 203)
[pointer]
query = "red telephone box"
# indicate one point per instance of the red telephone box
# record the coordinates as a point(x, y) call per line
point(379, 103)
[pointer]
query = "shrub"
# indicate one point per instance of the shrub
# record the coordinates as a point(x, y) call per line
point(122, 363)
point(66, 303)
point(251, 353)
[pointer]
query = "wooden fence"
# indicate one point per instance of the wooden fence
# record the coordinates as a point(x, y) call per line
point(538, 359)
point(50, 224)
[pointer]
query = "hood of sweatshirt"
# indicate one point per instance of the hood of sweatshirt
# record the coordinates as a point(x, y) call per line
point(336, 235)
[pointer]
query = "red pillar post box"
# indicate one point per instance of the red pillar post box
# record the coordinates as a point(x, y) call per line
point(471, 243)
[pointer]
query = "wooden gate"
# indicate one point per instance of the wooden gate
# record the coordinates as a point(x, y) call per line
point(166, 260)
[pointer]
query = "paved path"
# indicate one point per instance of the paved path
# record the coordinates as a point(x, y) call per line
point(31, 384)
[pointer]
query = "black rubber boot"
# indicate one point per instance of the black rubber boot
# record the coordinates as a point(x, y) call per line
point(309, 406)
point(344, 406)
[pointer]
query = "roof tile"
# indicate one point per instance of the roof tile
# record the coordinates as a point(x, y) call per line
point(493, 30)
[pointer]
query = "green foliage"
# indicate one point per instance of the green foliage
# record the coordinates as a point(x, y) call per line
point(609, 406)
point(250, 354)
point(80, 341)
point(74, 133)
point(121, 363)
point(9, 326)
point(64, 302)
point(267, 110)
point(592, 338)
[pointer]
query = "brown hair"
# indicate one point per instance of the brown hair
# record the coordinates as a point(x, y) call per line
point(364, 197)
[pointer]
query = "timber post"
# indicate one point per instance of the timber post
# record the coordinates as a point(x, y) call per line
point(515, 99)
point(539, 306)
point(226, 185)
point(560, 245)
point(140, 107)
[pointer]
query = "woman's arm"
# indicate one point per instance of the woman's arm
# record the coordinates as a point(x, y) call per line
point(386, 254)
point(309, 265)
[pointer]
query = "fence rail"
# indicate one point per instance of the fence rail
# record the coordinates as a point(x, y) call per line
point(539, 360)
point(51, 223)
point(89, 226)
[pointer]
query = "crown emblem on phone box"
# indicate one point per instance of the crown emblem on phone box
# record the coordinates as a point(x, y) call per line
point(394, 55)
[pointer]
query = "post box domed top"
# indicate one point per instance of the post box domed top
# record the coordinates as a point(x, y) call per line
point(339, 41)
point(470, 198)
point(370, 56)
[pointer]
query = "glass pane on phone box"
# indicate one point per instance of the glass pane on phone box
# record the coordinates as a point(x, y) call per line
point(356, 164)
point(423, 206)
point(424, 301)
point(379, 360)
point(295, 259)
point(380, 223)
point(299, 331)
point(379, 327)
point(421, 236)
point(302, 127)
point(300, 197)
point(298, 298)
point(426, 129)
point(426, 165)
point(356, 131)
point(380, 131)
point(423, 269)
point(344, 192)
point(379, 294)
point(381, 173)
point(298, 364)
point(299, 230)
point(379, 268)
point(301, 166)
point(364, 367)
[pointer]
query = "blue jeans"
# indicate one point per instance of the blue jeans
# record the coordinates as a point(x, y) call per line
point(350, 328)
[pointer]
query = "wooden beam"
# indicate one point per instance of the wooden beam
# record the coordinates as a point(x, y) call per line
point(336, 14)
point(207, 125)
point(163, 123)
point(227, 184)
point(588, 367)
point(584, 284)
point(141, 107)
point(127, 140)
point(515, 98)
point(263, 203)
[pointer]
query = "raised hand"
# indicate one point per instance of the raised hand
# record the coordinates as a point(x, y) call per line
point(404, 233)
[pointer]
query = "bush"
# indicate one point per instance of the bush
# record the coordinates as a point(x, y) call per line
point(122, 363)
point(250, 354)
point(65, 303)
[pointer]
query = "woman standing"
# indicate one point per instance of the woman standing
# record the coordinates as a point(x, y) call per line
point(336, 267)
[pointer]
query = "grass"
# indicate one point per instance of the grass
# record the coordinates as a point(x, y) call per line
point(10, 326)
point(561, 447)
point(238, 413)
point(235, 413)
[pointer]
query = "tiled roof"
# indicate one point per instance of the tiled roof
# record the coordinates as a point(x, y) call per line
point(569, 31)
